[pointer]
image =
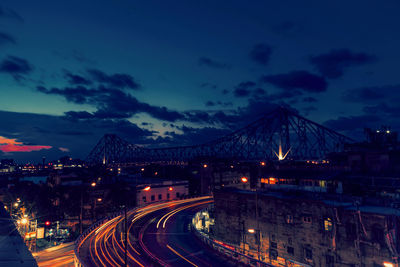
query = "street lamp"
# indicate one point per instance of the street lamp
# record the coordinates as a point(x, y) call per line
point(147, 188)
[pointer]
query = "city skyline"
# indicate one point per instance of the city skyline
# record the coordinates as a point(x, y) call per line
point(163, 74)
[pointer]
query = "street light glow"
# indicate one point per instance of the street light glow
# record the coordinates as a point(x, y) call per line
point(93, 184)
point(170, 189)
point(147, 188)
point(244, 179)
point(24, 221)
point(251, 231)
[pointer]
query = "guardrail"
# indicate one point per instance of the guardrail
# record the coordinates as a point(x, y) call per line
point(229, 253)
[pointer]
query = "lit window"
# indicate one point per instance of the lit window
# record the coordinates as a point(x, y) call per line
point(328, 225)
point(289, 218)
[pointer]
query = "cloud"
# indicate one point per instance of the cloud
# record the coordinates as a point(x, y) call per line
point(210, 104)
point(261, 53)
point(9, 14)
point(110, 103)
point(351, 123)
point(302, 80)
point(64, 149)
point(333, 63)
point(79, 136)
point(8, 145)
point(243, 89)
point(118, 80)
point(209, 85)
point(372, 94)
point(383, 109)
point(77, 79)
point(208, 62)
point(192, 135)
point(309, 99)
point(6, 38)
point(15, 67)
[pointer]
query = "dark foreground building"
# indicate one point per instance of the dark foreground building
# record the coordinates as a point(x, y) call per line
point(340, 211)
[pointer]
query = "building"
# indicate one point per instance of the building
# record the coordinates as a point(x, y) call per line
point(150, 190)
point(307, 228)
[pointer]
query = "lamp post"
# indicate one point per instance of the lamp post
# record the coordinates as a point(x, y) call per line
point(93, 184)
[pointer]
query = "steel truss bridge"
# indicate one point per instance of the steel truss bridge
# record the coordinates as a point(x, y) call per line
point(278, 134)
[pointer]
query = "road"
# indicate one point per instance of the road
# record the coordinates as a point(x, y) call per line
point(62, 255)
point(159, 235)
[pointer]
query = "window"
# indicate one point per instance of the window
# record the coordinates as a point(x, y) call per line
point(328, 225)
point(144, 199)
point(330, 260)
point(290, 250)
point(289, 219)
point(159, 196)
point(177, 194)
point(153, 198)
point(273, 254)
point(167, 195)
point(307, 219)
point(273, 245)
point(308, 253)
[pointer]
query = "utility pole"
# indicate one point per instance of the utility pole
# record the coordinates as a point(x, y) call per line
point(80, 215)
point(126, 235)
point(258, 232)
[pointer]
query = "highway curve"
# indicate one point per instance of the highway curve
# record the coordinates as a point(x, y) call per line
point(158, 235)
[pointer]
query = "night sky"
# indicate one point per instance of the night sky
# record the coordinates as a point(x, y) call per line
point(166, 73)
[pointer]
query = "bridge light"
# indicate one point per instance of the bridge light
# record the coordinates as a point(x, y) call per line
point(244, 179)
point(147, 188)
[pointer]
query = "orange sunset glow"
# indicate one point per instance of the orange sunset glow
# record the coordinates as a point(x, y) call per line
point(12, 145)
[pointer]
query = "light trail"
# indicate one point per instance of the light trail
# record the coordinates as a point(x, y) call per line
point(177, 253)
point(186, 207)
point(107, 247)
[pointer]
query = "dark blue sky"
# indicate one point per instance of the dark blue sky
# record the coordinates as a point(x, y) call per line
point(181, 72)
